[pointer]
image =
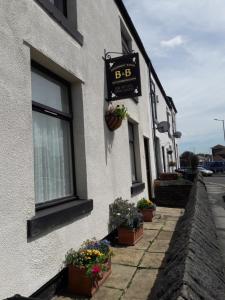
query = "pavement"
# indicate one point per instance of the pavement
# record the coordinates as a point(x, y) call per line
point(135, 268)
point(216, 191)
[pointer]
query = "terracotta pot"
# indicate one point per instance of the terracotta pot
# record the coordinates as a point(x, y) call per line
point(113, 122)
point(81, 284)
point(148, 214)
point(128, 236)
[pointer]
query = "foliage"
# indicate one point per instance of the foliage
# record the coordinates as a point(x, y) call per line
point(145, 203)
point(120, 111)
point(189, 160)
point(92, 255)
point(123, 213)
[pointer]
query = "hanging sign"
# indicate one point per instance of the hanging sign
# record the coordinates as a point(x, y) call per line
point(123, 77)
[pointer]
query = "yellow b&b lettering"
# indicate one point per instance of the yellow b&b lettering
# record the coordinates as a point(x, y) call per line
point(127, 72)
point(118, 74)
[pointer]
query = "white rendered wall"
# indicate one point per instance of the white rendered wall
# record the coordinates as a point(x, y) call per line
point(103, 163)
point(164, 139)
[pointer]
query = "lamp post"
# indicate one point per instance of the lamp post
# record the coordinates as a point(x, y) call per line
point(223, 127)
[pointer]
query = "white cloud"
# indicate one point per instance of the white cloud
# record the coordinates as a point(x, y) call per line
point(193, 73)
point(174, 42)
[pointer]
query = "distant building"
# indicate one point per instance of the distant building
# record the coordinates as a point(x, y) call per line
point(218, 152)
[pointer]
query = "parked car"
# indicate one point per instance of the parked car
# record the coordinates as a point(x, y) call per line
point(215, 166)
point(204, 171)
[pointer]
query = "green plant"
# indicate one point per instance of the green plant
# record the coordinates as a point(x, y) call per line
point(120, 111)
point(123, 213)
point(92, 255)
point(145, 203)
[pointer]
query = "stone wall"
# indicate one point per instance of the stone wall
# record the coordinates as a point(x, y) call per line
point(194, 267)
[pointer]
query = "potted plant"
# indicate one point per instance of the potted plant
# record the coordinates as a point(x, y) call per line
point(147, 208)
point(88, 267)
point(125, 216)
point(115, 115)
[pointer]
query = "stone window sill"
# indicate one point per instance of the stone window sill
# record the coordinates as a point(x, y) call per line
point(53, 217)
point(137, 187)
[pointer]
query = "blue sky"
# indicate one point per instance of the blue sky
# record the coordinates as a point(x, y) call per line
point(185, 40)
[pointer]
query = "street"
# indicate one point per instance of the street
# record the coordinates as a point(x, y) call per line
point(216, 191)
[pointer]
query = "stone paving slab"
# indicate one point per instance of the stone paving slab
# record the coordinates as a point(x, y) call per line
point(107, 294)
point(120, 277)
point(141, 285)
point(153, 226)
point(135, 268)
point(165, 235)
point(164, 211)
point(170, 226)
point(159, 246)
point(153, 260)
point(127, 256)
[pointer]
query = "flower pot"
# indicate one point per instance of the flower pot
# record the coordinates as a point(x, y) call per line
point(148, 214)
point(81, 284)
point(113, 122)
point(129, 237)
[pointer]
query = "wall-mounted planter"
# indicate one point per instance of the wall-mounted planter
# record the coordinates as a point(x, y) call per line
point(130, 237)
point(113, 122)
point(81, 284)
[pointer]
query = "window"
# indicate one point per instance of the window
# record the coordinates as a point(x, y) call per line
point(154, 100)
point(126, 40)
point(64, 12)
point(60, 5)
point(132, 152)
point(52, 137)
point(168, 120)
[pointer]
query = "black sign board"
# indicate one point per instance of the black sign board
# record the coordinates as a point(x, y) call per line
point(123, 77)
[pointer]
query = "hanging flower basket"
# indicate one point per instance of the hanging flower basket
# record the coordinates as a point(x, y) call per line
point(113, 122)
point(115, 115)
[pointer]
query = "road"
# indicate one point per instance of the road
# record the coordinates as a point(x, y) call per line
point(216, 191)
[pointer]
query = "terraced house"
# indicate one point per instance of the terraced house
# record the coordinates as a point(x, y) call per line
point(61, 166)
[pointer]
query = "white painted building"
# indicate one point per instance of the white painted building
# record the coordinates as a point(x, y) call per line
point(56, 151)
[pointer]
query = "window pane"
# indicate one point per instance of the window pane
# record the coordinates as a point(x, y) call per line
point(53, 175)
point(50, 92)
point(132, 163)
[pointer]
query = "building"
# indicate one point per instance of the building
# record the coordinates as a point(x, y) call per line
point(218, 153)
point(61, 167)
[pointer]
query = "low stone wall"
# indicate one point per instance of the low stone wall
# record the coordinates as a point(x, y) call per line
point(193, 266)
point(172, 193)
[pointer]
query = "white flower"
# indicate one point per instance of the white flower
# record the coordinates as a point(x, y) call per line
point(118, 214)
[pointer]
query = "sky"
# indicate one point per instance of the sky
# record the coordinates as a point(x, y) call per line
point(185, 40)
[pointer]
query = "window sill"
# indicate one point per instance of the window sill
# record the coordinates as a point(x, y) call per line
point(58, 16)
point(137, 188)
point(50, 218)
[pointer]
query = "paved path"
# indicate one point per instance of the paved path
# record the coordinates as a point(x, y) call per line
point(216, 191)
point(135, 268)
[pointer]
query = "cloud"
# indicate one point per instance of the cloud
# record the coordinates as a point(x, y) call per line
point(193, 72)
point(174, 42)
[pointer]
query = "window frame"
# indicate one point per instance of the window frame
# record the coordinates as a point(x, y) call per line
point(154, 101)
point(62, 18)
point(132, 142)
point(47, 110)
